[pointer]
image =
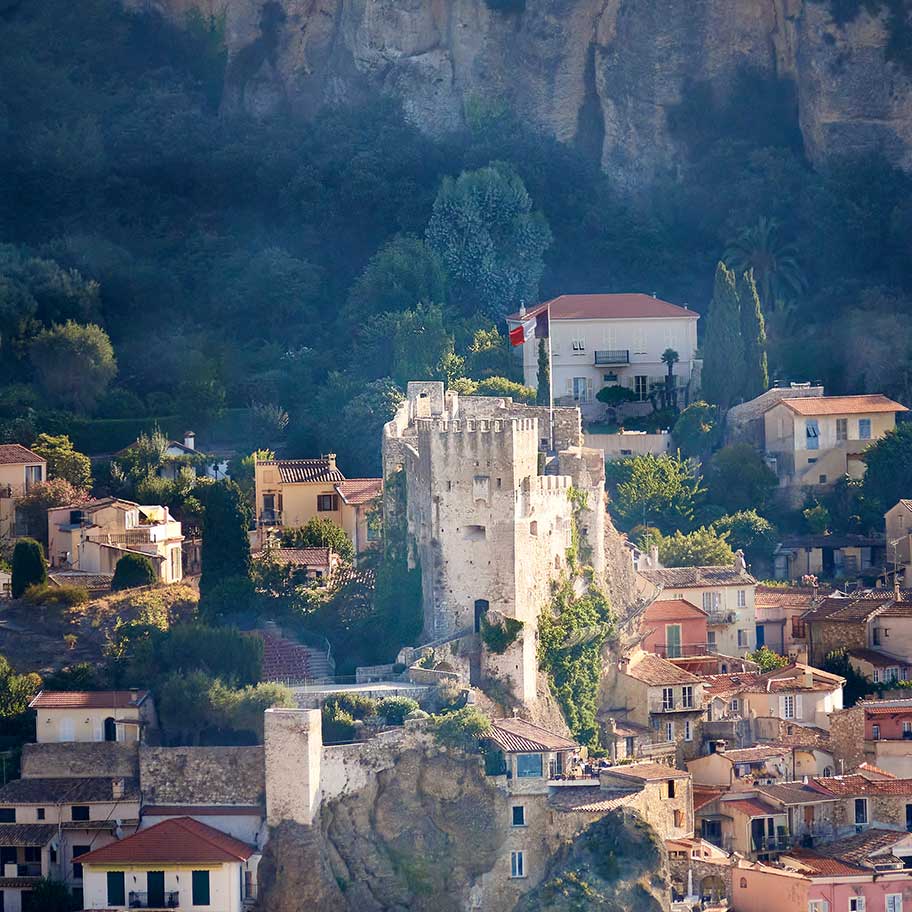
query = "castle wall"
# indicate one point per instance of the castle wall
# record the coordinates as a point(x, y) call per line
point(293, 743)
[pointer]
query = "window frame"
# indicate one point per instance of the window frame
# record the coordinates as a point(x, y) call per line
point(531, 772)
point(687, 696)
point(522, 815)
point(842, 430)
point(517, 864)
point(197, 877)
point(80, 818)
point(688, 730)
point(332, 499)
point(788, 700)
point(668, 699)
point(864, 428)
point(861, 804)
point(7, 815)
point(811, 434)
point(119, 896)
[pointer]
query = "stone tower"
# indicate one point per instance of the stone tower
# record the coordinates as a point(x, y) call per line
point(489, 529)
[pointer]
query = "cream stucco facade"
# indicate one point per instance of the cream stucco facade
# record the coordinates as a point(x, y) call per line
point(19, 470)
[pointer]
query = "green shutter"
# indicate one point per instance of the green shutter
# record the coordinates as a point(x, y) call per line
point(200, 888)
point(116, 891)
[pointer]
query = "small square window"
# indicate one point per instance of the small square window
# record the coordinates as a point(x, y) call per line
point(40, 813)
point(519, 815)
point(327, 503)
point(7, 815)
point(80, 812)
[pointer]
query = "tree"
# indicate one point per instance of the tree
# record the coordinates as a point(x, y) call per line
point(753, 334)
point(817, 518)
point(738, 478)
point(501, 386)
point(888, 476)
point(226, 546)
point(64, 461)
point(405, 272)
point(543, 392)
point(490, 240)
point(51, 896)
point(33, 506)
point(774, 262)
point(697, 430)
point(242, 470)
point(767, 659)
point(16, 690)
point(75, 363)
point(723, 348)
point(29, 566)
point(662, 491)
point(670, 394)
point(133, 570)
point(749, 532)
point(701, 548)
point(320, 533)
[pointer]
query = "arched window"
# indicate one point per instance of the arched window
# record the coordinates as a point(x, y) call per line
point(110, 729)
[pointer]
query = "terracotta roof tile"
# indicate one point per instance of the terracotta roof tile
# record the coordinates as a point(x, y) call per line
point(298, 557)
point(656, 671)
point(752, 807)
point(299, 471)
point(519, 736)
point(27, 834)
point(697, 577)
point(590, 799)
point(859, 848)
point(822, 865)
point(179, 841)
point(876, 658)
point(672, 610)
point(16, 454)
point(89, 699)
point(870, 768)
point(718, 685)
point(795, 793)
point(360, 490)
point(842, 405)
point(755, 754)
point(607, 307)
point(702, 795)
point(790, 597)
point(858, 785)
point(647, 771)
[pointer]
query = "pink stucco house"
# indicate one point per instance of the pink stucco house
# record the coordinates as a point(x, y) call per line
point(674, 628)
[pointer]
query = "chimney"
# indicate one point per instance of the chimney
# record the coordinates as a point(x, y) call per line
point(190, 440)
point(331, 460)
point(654, 557)
point(739, 564)
point(117, 789)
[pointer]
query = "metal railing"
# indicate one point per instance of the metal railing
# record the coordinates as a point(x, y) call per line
point(771, 843)
point(170, 899)
point(679, 652)
point(612, 356)
point(270, 518)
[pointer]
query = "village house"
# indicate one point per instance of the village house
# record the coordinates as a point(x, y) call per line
point(829, 557)
point(875, 627)
point(626, 740)
point(92, 537)
point(304, 564)
point(102, 715)
point(812, 442)
point(742, 769)
point(809, 809)
point(867, 872)
point(898, 544)
point(778, 611)
point(600, 340)
point(20, 469)
point(674, 628)
point(177, 864)
point(47, 824)
point(725, 594)
point(179, 456)
point(653, 692)
point(888, 734)
point(746, 823)
point(291, 492)
point(866, 801)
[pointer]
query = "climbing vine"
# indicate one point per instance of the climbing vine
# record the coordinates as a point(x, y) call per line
point(579, 554)
point(572, 630)
point(498, 638)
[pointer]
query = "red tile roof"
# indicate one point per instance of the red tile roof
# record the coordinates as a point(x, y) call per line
point(301, 471)
point(608, 307)
point(755, 754)
point(591, 799)
point(876, 771)
point(672, 610)
point(360, 490)
point(299, 557)
point(179, 841)
point(16, 454)
point(719, 684)
point(656, 671)
point(752, 807)
point(785, 597)
point(203, 810)
point(516, 736)
point(708, 577)
point(858, 785)
point(842, 405)
point(88, 699)
point(702, 795)
point(647, 771)
point(821, 865)
point(876, 658)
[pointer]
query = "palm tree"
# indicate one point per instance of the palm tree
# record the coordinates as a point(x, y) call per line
point(774, 262)
point(670, 358)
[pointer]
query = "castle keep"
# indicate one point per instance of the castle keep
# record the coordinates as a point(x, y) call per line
point(489, 514)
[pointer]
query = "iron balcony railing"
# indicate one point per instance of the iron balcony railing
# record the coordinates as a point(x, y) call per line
point(270, 518)
point(167, 900)
point(689, 649)
point(771, 843)
point(612, 356)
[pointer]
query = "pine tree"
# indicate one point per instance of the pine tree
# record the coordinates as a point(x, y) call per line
point(29, 566)
point(226, 546)
point(753, 334)
point(543, 396)
point(723, 348)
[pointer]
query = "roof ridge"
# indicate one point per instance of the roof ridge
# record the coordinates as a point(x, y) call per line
point(203, 834)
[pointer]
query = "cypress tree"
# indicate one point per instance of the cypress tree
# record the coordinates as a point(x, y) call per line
point(29, 566)
point(543, 397)
point(225, 551)
point(133, 570)
point(723, 348)
point(753, 334)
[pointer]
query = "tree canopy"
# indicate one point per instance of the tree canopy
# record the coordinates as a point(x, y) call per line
point(888, 476)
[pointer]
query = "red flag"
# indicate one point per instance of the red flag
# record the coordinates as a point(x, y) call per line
point(522, 333)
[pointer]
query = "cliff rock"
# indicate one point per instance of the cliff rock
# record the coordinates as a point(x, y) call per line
point(601, 73)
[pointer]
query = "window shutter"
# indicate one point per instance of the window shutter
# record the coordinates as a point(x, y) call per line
point(569, 386)
point(798, 714)
point(781, 707)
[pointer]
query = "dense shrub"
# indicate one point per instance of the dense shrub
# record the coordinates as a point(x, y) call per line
point(133, 570)
point(356, 705)
point(461, 729)
point(499, 637)
point(338, 725)
point(396, 709)
point(29, 566)
point(53, 596)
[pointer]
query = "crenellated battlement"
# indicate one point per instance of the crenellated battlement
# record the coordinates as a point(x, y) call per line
point(451, 426)
point(548, 484)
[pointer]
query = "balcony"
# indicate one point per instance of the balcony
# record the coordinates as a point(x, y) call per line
point(678, 706)
point(167, 900)
point(771, 843)
point(680, 652)
point(610, 357)
point(270, 518)
point(720, 616)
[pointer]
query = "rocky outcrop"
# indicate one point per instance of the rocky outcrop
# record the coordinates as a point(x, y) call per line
point(601, 73)
point(431, 833)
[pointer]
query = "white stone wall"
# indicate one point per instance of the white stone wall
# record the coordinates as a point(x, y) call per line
point(293, 746)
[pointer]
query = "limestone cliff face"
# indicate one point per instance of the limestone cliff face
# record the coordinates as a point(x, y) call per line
point(602, 73)
point(432, 834)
